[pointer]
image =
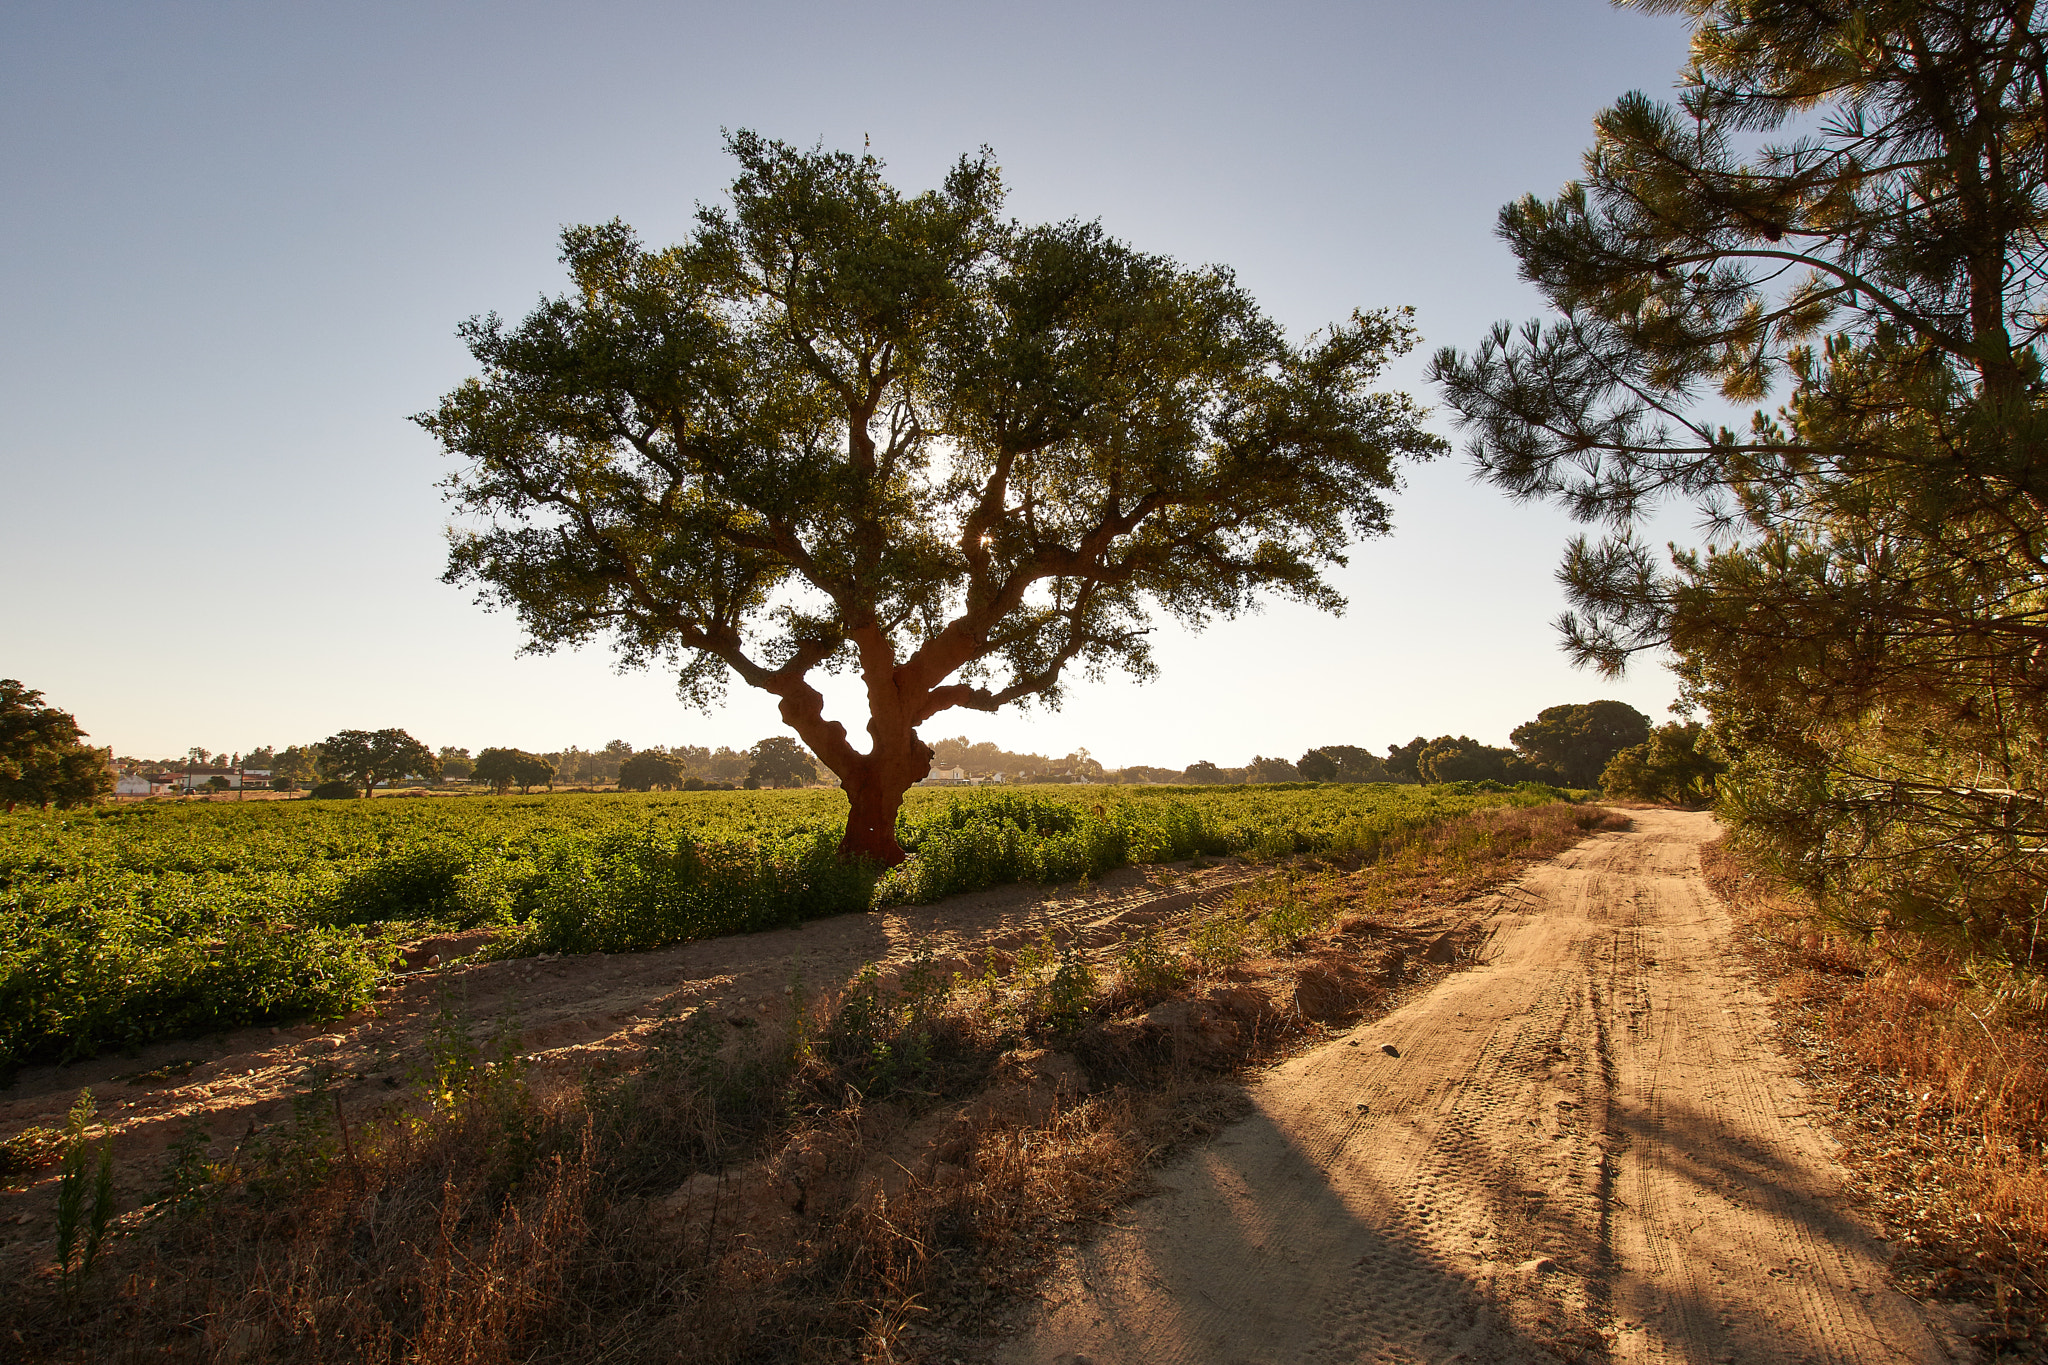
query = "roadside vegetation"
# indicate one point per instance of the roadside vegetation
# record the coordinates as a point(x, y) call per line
point(121, 925)
point(866, 1177)
point(1935, 1066)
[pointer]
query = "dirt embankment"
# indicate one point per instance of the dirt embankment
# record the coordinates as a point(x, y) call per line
point(1584, 1149)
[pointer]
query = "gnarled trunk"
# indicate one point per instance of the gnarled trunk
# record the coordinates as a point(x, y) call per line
point(874, 793)
point(896, 761)
point(871, 822)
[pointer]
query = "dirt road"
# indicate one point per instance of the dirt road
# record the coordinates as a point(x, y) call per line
point(1583, 1149)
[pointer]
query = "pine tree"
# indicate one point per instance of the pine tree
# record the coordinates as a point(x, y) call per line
point(1839, 222)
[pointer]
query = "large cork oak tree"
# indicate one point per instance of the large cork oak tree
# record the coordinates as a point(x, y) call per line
point(842, 427)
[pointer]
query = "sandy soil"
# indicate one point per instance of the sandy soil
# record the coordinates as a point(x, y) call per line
point(567, 1014)
point(1583, 1149)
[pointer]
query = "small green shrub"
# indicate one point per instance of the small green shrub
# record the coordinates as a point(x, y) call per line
point(1146, 968)
point(333, 791)
point(189, 1175)
point(85, 1202)
point(1217, 939)
point(1071, 992)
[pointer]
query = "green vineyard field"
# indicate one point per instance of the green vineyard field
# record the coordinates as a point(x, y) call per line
point(120, 925)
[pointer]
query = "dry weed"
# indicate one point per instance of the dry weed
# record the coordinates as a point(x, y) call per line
point(1937, 1070)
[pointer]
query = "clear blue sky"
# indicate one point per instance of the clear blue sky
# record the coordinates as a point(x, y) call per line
point(239, 239)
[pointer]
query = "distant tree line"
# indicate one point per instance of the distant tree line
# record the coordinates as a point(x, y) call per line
point(1564, 746)
point(1605, 744)
point(777, 761)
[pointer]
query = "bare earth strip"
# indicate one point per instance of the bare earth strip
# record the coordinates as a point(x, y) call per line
point(1586, 1148)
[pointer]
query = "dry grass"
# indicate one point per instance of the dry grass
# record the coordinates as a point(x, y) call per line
point(871, 1178)
point(1937, 1069)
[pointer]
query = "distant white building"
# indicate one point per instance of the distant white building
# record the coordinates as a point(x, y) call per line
point(201, 779)
point(946, 777)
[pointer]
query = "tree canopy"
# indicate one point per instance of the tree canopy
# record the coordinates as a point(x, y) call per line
point(780, 761)
point(1342, 763)
point(1676, 764)
point(1403, 760)
point(845, 427)
point(42, 762)
point(294, 766)
point(1842, 215)
point(1579, 740)
point(368, 757)
point(650, 769)
point(1264, 769)
point(508, 768)
point(1460, 758)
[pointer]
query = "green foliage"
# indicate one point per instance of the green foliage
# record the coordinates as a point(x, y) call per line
point(1217, 939)
point(1580, 740)
point(295, 767)
point(41, 761)
point(334, 791)
point(85, 1196)
point(1678, 764)
point(429, 881)
point(649, 770)
point(631, 890)
point(978, 451)
point(1273, 915)
point(287, 1158)
point(134, 923)
point(190, 1175)
point(117, 959)
point(780, 761)
point(889, 1038)
point(1070, 993)
point(1263, 769)
point(1342, 763)
point(459, 1071)
point(1404, 760)
point(505, 769)
point(368, 757)
point(1839, 224)
point(1461, 758)
point(1146, 968)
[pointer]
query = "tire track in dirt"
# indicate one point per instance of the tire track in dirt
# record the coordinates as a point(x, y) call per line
point(1582, 1149)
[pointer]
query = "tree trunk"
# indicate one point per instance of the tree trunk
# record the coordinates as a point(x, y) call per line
point(874, 794)
point(874, 782)
point(871, 820)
